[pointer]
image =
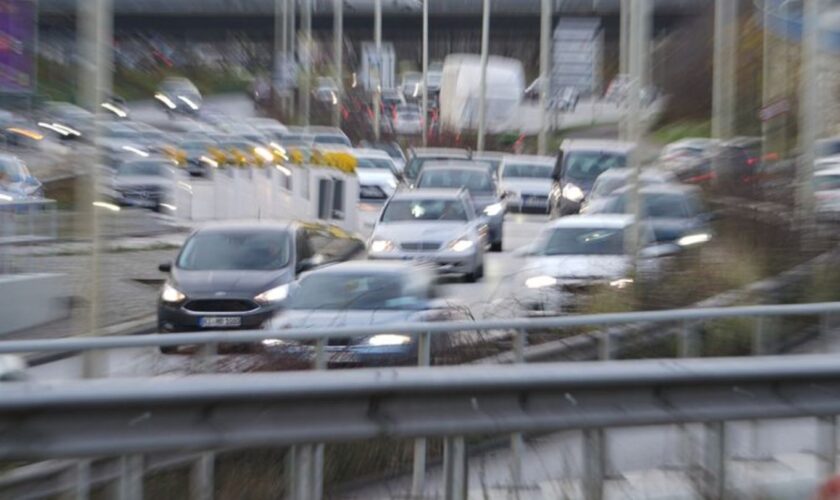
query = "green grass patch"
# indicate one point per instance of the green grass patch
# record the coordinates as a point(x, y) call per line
point(681, 130)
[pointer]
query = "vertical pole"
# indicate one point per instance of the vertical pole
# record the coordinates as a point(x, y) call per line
point(290, 465)
point(418, 469)
point(280, 36)
point(827, 445)
point(809, 127)
point(635, 132)
point(624, 38)
point(594, 464)
point(825, 329)
point(482, 93)
point(455, 468)
point(377, 90)
point(685, 343)
point(605, 346)
point(759, 340)
point(723, 85)
point(425, 72)
point(202, 482)
point(306, 61)
point(766, 75)
point(545, 37)
point(82, 480)
point(292, 32)
point(517, 443)
point(338, 54)
point(131, 477)
point(714, 482)
point(95, 32)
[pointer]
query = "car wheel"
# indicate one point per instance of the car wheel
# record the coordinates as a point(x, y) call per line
point(496, 246)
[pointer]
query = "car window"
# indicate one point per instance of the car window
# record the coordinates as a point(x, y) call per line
point(354, 291)
point(149, 168)
point(588, 165)
point(240, 250)
point(303, 246)
point(474, 181)
point(584, 241)
point(527, 171)
point(826, 182)
point(605, 186)
point(13, 170)
point(655, 205)
point(377, 163)
point(424, 210)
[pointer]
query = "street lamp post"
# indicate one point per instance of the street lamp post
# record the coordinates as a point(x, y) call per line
point(306, 60)
point(425, 72)
point(723, 84)
point(377, 90)
point(545, 36)
point(482, 93)
point(338, 54)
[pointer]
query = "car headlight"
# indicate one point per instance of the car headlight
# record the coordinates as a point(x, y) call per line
point(273, 295)
point(540, 282)
point(693, 239)
point(494, 209)
point(171, 294)
point(386, 339)
point(572, 193)
point(264, 153)
point(621, 283)
point(461, 245)
point(382, 246)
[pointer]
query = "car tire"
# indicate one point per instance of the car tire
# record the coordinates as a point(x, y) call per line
point(475, 275)
point(496, 246)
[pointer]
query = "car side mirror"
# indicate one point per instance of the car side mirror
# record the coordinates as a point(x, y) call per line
point(165, 267)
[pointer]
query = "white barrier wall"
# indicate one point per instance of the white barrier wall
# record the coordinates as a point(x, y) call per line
point(287, 192)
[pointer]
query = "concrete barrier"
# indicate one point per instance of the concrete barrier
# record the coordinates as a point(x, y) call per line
point(37, 299)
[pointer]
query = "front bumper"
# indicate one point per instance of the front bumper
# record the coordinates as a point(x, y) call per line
point(530, 203)
point(445, 261)
point(175, 319)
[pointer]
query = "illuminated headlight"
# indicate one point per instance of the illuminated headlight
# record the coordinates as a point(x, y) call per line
point(186, 100)
point(171, 294)
point(276, 294)
point(494, 209)
point(388, 339)
point(572, 192)
point(693, 239)
point(540, 282)
point(621, 283)
point(264, 153)
point(461, 245)
point(382, 246)
point(165, 100)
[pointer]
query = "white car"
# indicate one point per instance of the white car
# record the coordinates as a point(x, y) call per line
point(377, 174)
point(526, 182)
point(146, 183)
point(408, 120)
point(688, 148)
point(577, 253)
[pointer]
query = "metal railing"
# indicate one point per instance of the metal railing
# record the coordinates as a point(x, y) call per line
point(687, 345)
point(132, 417)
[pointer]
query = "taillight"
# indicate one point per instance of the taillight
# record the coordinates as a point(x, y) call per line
point(752, 161)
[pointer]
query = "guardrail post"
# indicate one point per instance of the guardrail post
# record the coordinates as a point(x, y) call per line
point(759, 340)
point(418, 465)
point(53, 222)
point(687, 341)
point(594, 463)
point(713, 481)
point(825, 328)
point(315, 475)
point(82, 471)
point(131, 477)
point(455, 468)
point(605, 346)
point(202, 477)
point(320, 362)
point(827, 445)
point(517, 443)
point(290, 471)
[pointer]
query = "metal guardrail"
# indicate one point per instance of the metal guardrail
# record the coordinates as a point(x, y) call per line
point(134, 417)
point(309, 458)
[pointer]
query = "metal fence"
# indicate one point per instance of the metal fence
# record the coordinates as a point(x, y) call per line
point(307, 458)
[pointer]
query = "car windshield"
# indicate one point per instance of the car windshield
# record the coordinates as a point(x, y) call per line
point(588, 165)
point(408, 115)
point(584, 241)
point(236, 250)
point(657, 205)
point(828, 147)
point(145, 168)
point(826, 182)
point(377, 163)
point(424, 210)
point(474, 180)
point(13, 170)
point(606, 186)
point(354, 292)
point(527, 171)
point(196, 145)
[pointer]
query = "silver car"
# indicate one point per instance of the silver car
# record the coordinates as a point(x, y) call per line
point(438, 226)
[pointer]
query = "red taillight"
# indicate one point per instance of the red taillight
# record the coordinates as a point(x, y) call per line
point(752, 161)
point(771, 156)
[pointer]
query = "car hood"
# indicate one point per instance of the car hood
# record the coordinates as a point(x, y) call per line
point(480, 201)
point(141, 180)
point(307, 318)
point(419, 231)
point(234, 283)
point(527, 186)
point(583, 267)
point(374, 176)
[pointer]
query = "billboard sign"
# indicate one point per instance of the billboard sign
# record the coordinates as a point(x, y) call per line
point(18, 35)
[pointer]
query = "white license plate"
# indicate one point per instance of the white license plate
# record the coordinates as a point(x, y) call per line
point(220, 322)
point(534, 202)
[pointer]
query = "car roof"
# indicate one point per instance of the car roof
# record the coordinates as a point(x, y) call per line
point(616, 221)
point(434, 166)
point(597, 145)
point(663, 188)
point(230, 227)
point(452, 152)
point(649, 172)
point(422, 193)
point(495, 155)
point(528, 159)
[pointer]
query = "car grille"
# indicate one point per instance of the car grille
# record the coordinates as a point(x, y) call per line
point(150, 192)
point(534, 200)
point(575, 288)
point(220, 305)
point(421, 246)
